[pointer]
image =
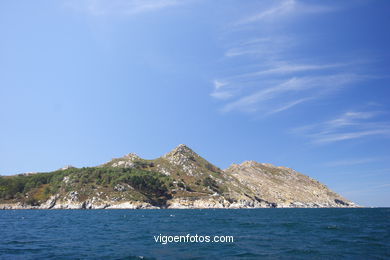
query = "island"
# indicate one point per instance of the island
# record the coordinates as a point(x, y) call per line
point(180, 179)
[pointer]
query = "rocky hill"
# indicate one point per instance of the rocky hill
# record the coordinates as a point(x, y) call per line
point(178, 179)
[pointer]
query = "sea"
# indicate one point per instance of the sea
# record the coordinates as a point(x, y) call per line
point(358, 233)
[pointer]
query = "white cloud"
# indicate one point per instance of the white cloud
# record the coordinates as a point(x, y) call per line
point(289, 105)
point(261, 47)
point(271, 54)
point(330, 138)
point(218, 84)
point(348, 126)
point(221, 90)
point(291, 68)
point(275, 72)
point(283, 9)
point(348, 119)
point(317, 85)
point(123, 7)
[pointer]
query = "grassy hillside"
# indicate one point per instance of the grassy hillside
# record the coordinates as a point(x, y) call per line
point(132, 183)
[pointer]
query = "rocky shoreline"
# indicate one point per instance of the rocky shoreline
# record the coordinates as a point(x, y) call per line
point(177, 203)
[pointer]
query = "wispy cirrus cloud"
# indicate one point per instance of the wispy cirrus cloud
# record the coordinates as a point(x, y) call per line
point(290, 92)
point(123, 7)
point(219, 91)
point(289, 105)
point(276, 80)
point(348, 126)
point(331, 138)
point(224, 89)
point(288, 68)
point(258, 47)
point(284, 9)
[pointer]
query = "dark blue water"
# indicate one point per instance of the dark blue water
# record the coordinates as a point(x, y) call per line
point(258, 234)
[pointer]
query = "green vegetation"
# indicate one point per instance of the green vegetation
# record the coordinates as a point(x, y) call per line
point(12, 187)
point(212, 184)
point(129, 178)
point(38, 187)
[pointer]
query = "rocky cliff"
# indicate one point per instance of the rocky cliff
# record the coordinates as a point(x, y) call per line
point(178, 179)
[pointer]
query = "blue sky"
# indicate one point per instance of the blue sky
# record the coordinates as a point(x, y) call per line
point(303, 84)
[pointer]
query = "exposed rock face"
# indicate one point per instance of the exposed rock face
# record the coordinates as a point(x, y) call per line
point(196, 183)
point(284, 187)
point(186, 161)
point(83, 205)
point(127, 161)
point(67, 167)
point(198, 203)
point(183, 157)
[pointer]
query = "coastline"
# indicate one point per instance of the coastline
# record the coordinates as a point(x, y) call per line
point(195, 204)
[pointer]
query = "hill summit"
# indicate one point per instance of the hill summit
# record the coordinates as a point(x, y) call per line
point(178, 179)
